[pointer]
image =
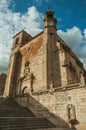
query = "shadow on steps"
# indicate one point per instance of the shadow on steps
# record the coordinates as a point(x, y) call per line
point(15, 117)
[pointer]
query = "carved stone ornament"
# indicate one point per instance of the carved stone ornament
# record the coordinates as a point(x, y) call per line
point(27, 76)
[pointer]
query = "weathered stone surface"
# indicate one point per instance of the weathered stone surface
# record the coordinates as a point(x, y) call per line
point(2, 82)
point(54, 106)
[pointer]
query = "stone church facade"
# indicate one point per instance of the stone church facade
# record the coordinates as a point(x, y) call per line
point(47, 70)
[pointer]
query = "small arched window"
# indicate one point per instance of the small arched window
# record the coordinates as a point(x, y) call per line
point(16, 41)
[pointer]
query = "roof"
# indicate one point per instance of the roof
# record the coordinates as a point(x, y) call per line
point(20, 32)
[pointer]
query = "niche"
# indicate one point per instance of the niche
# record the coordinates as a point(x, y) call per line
point(27, 68)
point(71, 114)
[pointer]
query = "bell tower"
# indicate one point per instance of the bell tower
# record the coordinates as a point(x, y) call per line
point(49, 20)
point(52, 54)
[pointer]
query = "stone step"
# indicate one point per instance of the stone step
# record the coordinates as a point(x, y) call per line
point(15, 117)
point(24, 123)
point(26, 128)
point(2, 100)
point(10, 107)
point(16, 113)
point(23, 119)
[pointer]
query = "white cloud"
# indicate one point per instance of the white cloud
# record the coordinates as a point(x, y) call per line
point(11, 23)
point(39, 2)
point(85, 33)
point(72, 36)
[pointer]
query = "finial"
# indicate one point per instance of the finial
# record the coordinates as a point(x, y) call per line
point(49, 8)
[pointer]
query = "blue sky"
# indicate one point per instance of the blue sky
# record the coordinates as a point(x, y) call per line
point(71, 12)
point(16, 15)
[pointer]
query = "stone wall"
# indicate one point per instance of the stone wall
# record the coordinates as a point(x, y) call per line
point(62, 58)
point(70, 66)
point(53, 105)
point(74, 69)
point(57, 102)
point(34, 53)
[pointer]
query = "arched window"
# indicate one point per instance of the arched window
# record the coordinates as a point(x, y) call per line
point(16, 41)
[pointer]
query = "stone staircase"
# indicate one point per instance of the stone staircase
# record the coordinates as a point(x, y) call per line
point(24, 123)
point(15, 117)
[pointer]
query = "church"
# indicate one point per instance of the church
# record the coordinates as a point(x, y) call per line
point(47, 77)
